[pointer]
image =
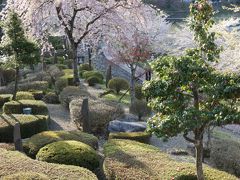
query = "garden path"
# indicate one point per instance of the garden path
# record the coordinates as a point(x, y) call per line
point(60, 118)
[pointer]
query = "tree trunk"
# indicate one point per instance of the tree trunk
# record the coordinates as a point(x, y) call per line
point(132, 83)
point(76, 80)
point(89, 57)
point(199, 158)
point(16, 83)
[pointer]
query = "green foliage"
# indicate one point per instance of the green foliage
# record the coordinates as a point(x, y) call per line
point(8, 75)
point(16, 107)
point(125, 158)
point(96, 74)
point(69, 153)
point(68, 75)
point(38, 95)
point(93, 80)
point(118, 84)
point(61, 66)
point(15, 45)
point(85, 67)
point(136, 136)
point(51, 98)
point(29, 124)
point(35, 85)
point(140, 109)
point(10, 165)
point(24, 95)
point(71, 92)
point(56, 41)
point(138, 92)
point(5, 98)
point(60, 84)
point(36, 142)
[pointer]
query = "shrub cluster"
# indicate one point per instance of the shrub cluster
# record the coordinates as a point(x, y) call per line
point(71, 92)
point(96, 74)
point(38, 95)
point(24, 95)
point(83, 68)
point(8, 75)
point(13, 162)
point(138, 92)
point(35, 85)
point(125, 159)
point(16, 107)
point(29, 125)
point(93, 80)
point(60, 84)
point(51, 98)
point(69, 153)
point(36, 142)
point(118, 84)
point(100, 113)
point(140, 109)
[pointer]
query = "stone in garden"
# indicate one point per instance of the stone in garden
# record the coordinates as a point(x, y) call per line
point(128, 118)
point(85, 115)
point(123, 126)
point(17, 137)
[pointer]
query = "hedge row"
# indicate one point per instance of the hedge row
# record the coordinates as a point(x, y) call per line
point(13, 162)
point(36, 142)
point(16, 107)
point(127, 159)
point(29, 125)
point(136, 136)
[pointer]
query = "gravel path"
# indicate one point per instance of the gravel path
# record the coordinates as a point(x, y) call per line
point(60, 118)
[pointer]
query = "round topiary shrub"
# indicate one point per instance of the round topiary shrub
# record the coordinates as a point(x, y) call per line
point(71, 92)
point(118, 84)
point(85, 67)
point(138, 92)
point(93, 80)
point(140, 109)
point(69, 153)
point(51, 98)
point(60, 84)
point(26, 176)
point(96, 74)
point(24, 95)
point(32, 145)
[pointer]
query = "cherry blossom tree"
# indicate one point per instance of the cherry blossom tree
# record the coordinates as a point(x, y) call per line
point(78, 19)
point(138, 33)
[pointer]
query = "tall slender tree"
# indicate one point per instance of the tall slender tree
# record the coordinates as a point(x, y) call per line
point(187, 93)
point(19, 50)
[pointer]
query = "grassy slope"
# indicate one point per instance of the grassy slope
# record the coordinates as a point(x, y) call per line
point(132, 160)
point(13, 162)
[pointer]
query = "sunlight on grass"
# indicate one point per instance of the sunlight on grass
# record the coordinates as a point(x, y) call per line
point(114, 97)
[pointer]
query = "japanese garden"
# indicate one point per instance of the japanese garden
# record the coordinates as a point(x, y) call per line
point(120, 89)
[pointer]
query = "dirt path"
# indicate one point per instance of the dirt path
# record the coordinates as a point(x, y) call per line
point(60, 118)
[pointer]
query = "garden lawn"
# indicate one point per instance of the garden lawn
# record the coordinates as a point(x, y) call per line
point(127, 159)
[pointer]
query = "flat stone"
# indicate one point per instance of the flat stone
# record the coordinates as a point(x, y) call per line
point(123, 126)
point(128, 118)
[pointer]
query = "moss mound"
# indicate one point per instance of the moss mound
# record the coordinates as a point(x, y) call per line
point(13, 162)
point(69, 153)
point(26, 176)
point(29, 125)
point(36, 142)
point(137, 136)
point(127, 159)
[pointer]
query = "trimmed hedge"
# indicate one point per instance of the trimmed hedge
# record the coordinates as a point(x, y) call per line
point(85, 67)
point(35, 85)
point(93, 80)
point(26, 176)
point(5, 98)
point(136, 136)
point(60, 84)
point(51, 98)
point(16, 107)
point(68, 75)
point(36, 142)
point(29, 125)
point(69, 153)
point(118, 84)
point(96, 74)
point(38, 95)
point(24, 95)
point(127, 159)
point(140, 109)
point(13, 162)
point(71, 92)
point(100, 113)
